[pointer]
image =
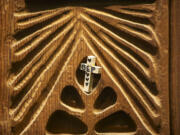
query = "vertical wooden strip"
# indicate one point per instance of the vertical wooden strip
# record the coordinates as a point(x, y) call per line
point(175, 66)
point(6, 10)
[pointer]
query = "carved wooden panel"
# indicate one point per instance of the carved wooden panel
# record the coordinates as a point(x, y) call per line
point(47, 42)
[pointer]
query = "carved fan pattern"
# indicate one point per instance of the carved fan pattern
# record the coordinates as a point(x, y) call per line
point(119, 33)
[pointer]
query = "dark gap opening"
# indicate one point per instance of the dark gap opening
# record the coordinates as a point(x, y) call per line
point(138, 30)
point(20, 126)
point(116, 123)
point(144, 94)
point(140, 43)
point(126, 49)
point(62, 122)
point(151, 85)
point(128, 91)
point(71, 97)
point(140, 106)
point(25, 32)
point(16, 67)
point(26, 44)
point(32, 5)
point(29, 18)
point(107, 98)
point(139, 10)
point(80, 74)
point(127, 16)
point(16, 99)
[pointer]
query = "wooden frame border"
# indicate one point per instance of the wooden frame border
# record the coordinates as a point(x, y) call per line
point(174, 66)
point(174, 34)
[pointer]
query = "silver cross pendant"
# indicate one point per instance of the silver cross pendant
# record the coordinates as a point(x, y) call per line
point(89, 69)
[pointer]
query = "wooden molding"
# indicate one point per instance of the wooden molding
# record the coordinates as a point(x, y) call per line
point(175, 66)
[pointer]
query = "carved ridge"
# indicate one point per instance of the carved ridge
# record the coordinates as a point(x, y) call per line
point(107, 32)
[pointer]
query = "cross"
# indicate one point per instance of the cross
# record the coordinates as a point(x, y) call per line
point(89, 69)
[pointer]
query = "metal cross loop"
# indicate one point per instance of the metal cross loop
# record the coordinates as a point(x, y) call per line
point(89, 69)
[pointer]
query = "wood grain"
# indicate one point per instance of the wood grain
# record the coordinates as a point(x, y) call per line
point(175, 67)
point(44, 47)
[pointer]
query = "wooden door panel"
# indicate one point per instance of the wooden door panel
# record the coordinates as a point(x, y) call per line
point(45, 44)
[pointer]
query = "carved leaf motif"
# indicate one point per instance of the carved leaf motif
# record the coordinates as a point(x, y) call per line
point(121, 36)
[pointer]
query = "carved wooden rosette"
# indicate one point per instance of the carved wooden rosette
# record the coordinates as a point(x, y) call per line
point(49, 41)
